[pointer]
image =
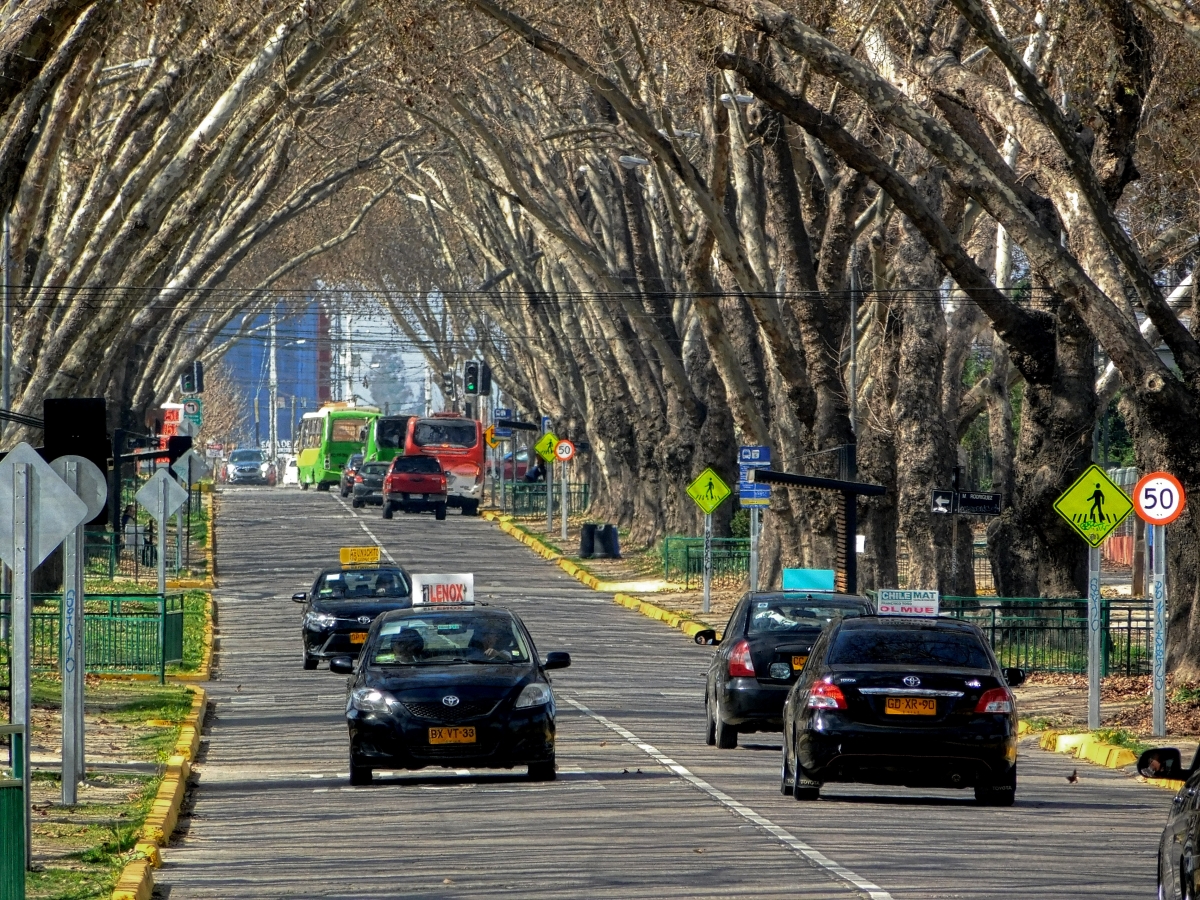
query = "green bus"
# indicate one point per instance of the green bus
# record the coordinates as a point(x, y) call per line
point(327, 438)
point(385, 438)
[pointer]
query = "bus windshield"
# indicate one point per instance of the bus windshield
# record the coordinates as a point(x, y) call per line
point(389, 433)
point(445, 433)
point(346, 430)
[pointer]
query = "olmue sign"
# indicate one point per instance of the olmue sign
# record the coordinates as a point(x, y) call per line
point(907, 603)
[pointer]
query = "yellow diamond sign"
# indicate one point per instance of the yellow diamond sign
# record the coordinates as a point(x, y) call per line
point(1094, 505)
point(708, 490)
point(545, 446)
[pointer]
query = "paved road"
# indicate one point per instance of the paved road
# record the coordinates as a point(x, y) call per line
point(642, 807)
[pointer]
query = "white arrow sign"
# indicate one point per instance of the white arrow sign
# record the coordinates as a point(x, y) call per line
point(160, 501)
point(55, 507)
point(190, 467)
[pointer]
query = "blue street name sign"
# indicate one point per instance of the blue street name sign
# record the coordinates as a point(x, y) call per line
point(752, 493)
point(501, 414)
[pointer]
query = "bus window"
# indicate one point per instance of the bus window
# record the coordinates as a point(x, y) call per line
point(390, 433)
point(346, 430)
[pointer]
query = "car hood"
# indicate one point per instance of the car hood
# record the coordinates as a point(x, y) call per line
point(368, 606)
point(468, 681)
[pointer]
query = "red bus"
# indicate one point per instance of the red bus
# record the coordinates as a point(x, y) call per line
point(457, 443)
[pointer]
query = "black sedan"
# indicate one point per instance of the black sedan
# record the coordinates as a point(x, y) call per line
point(1178, 871)
point(368, 484)
point(764, 646)
point(909, 701)
point(341, 606)
point(452, 686)
point(349, 470)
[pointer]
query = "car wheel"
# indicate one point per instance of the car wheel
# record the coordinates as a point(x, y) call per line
point(785, 775)
point(357, 503)
point(710, 727)
point(304, 485)
point(543, 771)
point(805, 791)
point(323, 486)
point(387, 510)
point(726, 734)
point(1002, 792)
point(471, 508)
point(439, 511)
point(359, 774)
point(310, 662)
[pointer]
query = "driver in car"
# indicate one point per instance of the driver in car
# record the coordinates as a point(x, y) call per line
point(492, 642)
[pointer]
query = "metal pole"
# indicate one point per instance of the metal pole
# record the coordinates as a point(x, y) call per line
point(273, 396)
point(1095, 644)
point(1160, 630)
point(161, 520)
point(178, 541)
point(6, 338)
point(564, 500)
point(707, 564)
point(72, 653)
point(549, 497)
point(22, 626)
point(755, 524)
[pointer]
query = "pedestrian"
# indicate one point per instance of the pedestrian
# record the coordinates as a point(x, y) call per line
point(535, 472)
point(128, 533)
point(149, 554)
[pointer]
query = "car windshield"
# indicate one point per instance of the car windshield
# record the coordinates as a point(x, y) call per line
point(484, 638)
point(374, 468)
point(346, 429)
point(360, 584)
point(246, 456)
point(389, 433)
point(451, 433)
point(767, 616)
point(354, 461)
point(909, 647)
point(417, 465)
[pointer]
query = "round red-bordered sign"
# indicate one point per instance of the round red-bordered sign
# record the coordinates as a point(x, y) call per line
point(564, 450)
point(1159, 498)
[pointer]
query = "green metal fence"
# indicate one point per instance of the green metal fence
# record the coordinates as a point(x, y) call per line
point(530, 499)
point(683, 560)
point(1051, 634)
point(124, 633)
point(12, 816)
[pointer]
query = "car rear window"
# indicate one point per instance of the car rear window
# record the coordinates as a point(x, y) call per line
point(417, 465)
point(449, 638)
point(771, 616)
point(374, 468)
point(909, 647)
point(361, 584)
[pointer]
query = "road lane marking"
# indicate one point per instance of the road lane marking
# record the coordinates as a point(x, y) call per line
point(370, 534)
point(814, 856)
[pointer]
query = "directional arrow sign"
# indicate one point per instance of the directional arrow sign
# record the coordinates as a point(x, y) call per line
point(161, 503)
point(708, 490)
point(943, 501)
point(56, 508)
point(545, 446)
point(489, 435)
point(1094, 505)
point(190, 467)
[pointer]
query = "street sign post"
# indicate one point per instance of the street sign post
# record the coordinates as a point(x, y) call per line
point(37, 510)
point(708, 492)
point(755, 496)
point(1094, 505)
point(500, 415)
point(489, 435)
point(545, 449)
point(190, 467)
point(564, 452)
point(1159, 499)
point(161, 496)
point(193, 410)
point(943, 501)
point(90, 485)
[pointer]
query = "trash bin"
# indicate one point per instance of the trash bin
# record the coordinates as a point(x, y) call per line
point(587, 540)
point(611, 542)
point(12, 825)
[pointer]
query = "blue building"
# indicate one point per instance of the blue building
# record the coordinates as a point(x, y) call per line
point(301, 365)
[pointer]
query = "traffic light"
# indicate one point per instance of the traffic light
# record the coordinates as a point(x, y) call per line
point(177, 445)
point(471, 377)
point(192, 379)
point(485, 379)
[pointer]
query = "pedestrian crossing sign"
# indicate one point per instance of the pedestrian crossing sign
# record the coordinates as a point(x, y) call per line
point(1094, 505)
point(709, 491)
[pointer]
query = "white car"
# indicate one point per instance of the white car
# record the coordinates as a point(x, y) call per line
point(291, 471)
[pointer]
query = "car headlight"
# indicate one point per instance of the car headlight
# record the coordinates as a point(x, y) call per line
point(371, 700)
point(535, 694)
point(264, 467)
point(319, 621)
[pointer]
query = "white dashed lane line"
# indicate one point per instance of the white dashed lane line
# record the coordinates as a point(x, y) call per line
point(814, 856)
point(370, 534)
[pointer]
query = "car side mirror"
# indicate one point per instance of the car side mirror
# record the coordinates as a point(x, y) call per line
point(708, 637)
point(557, 660)
point(300, 597)
point(341, 665)
point(1014, 677)
point(1160, 762)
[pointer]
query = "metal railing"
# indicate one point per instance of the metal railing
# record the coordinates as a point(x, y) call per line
point(683, 560)
point(124, 633)
point(530, 499)
point(1051, 634)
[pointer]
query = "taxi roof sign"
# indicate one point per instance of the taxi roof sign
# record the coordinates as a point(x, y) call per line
point(1094, 505)
point(907, 603)
point(360, 556)
point(443, 590)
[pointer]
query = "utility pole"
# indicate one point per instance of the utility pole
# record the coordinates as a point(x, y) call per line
point(272, 397)
point(6, 338)
point(428, 389)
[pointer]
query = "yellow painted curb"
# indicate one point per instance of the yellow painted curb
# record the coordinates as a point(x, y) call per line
point(136, 881)
point(1086, 747)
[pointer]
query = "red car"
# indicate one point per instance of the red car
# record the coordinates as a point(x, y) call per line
point(415, 484)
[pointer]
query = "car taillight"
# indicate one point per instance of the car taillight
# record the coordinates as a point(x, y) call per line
point(997, 700)
point(826, 696)
point(358, 479)
point(740, 663)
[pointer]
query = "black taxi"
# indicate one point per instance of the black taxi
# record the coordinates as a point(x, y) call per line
point(450, 684)
point(344, 601)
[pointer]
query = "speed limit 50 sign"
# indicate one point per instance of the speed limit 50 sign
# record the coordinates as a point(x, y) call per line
point(1158, 498)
